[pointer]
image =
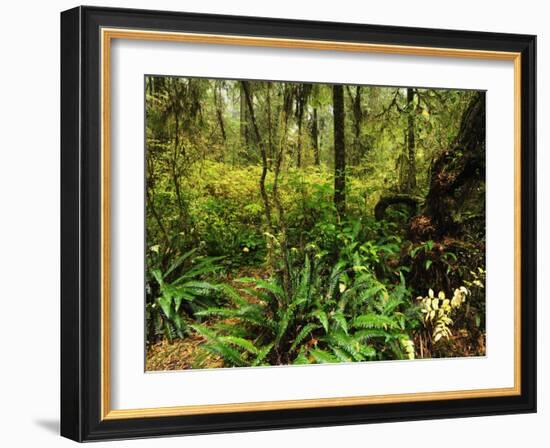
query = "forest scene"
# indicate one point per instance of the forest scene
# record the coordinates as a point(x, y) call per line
point(300, 223)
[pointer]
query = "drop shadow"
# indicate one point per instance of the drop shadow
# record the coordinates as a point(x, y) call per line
point(49, 425)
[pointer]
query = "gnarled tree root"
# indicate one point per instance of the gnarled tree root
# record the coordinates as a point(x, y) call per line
point(410, 201)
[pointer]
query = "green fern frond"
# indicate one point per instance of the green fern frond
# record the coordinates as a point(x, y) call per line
point(221, 312)
point(267, 285)
point(219, 347)
point(373, 321)
point(341, 321)
point(233, 295)
point(365, 335)
point(392, 303)
point(241, 342)
point(169, 330)
point(204, 266)
point(341, 355)
point(334, 279)
point(301, 359)
point(347, 343)
point(229, 355)
point(368, 294)
point(198, 285)
point(368, 351)
point(230, 329)
point(179, 261)
point(323, 357)
point(283, 322)
point(182, 295)
point(322, 317)
point(262, 354)
point(303, 333)
point(157, 275)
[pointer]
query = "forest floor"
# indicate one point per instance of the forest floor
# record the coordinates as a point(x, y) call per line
point(187, 353)
point(184, 354)
point(180, 354)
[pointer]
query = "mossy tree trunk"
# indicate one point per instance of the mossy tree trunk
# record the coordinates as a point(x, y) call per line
point(453, 173)
point(411, 143)
point(339, 151)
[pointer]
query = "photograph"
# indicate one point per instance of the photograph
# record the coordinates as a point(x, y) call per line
point(292, 223)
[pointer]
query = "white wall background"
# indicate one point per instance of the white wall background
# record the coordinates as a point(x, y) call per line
point(29, 228)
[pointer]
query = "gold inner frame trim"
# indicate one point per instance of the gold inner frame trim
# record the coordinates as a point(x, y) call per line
point(107, 35)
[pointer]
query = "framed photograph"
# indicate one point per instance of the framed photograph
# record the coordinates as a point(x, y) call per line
point(273, 223)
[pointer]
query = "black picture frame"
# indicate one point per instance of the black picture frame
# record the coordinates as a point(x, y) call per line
point(81, 224)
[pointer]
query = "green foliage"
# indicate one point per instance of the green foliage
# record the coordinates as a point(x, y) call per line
point(179, 285)
point(248, 257)
point(334, 317)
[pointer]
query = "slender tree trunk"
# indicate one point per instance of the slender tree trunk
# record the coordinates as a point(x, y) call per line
point(269, 128)
point(283, 123)
point(315, 136)
point(302, 95)
point(248, 98)
point(339, 150)
point(299, 145)
point(243, 125)
point(411, 150)
point(182, 207)
point(357, 118)
point(218, 100)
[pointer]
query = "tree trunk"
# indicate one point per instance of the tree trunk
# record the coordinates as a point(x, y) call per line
point(249, 103)
point(285, 111)
point(315, 136)
point(271, 152)
point(299, 145)
point(411, 150)
point(454, 172)
point(218, 100)
point(182, 206)
point(243, 124)
point(357, 118)
point(302, 96)
point(339, 151)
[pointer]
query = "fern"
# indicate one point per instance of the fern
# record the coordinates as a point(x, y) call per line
point(352, 345)
point(233, 296)
point(262, 353)
point(303, 333)
point(321, 319)
point(366, 335)
point(221, 312)
point(323, 357)
point(374, 321)
point(240, 342)
point(301, 359)
point(342, 355)
point(166, 303)
point(341, 321)
point(266, 285)
point(219, 347)
point(368, 351)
